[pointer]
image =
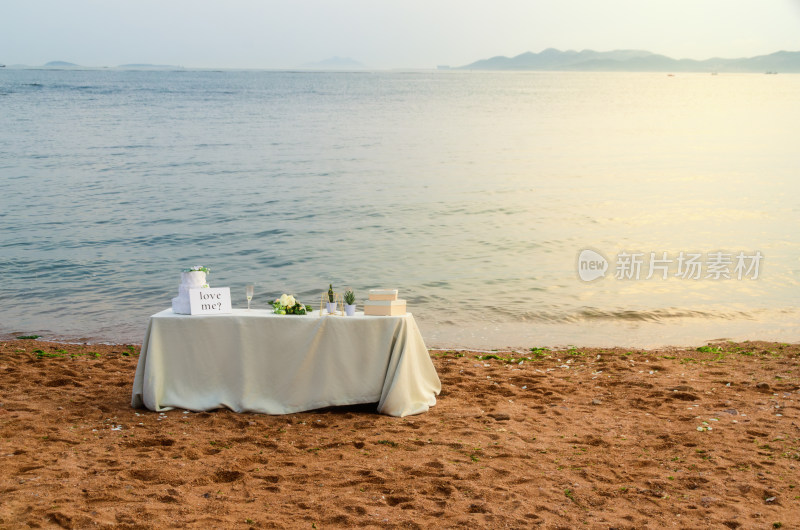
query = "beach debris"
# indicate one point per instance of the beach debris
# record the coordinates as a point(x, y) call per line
point(763, 387)
point(596, 401)
point(706, 501)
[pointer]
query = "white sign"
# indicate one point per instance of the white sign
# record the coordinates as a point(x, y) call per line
point(210, 301)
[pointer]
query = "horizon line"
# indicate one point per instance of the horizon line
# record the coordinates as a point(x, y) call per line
point(307, 64)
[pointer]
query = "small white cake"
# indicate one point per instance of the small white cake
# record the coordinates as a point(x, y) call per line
point(189, 280)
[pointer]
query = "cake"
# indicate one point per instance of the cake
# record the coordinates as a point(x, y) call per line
point(191, 279)
point(384, 302)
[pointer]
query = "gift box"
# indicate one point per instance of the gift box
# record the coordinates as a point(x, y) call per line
point(383, 294)
point(384, 308)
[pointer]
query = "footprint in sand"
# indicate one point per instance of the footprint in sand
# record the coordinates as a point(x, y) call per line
point(223, 476)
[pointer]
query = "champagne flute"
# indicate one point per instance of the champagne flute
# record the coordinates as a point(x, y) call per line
point(249, 296)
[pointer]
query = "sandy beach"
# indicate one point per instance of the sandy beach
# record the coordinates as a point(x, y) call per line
point(578, 438)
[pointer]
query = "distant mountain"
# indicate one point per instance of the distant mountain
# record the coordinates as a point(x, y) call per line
point(336, 63)
point(636, 61)
point(60, 64)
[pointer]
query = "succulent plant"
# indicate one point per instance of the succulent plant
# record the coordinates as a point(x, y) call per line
point(349, 297)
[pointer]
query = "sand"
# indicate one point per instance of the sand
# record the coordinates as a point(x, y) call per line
point(586, 438)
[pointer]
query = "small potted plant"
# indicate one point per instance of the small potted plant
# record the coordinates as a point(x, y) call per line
point(331, 300)
point(349, 302)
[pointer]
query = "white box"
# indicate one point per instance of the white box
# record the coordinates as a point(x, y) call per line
point(385, 308)
point(383, 294)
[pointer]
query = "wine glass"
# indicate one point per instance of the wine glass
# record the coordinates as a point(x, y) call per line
point(249, 296)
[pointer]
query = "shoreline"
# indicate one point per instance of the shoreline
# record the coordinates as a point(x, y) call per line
point(514, 335)
point(522, 335)
point(515, 350)
point(434, 340)
point(583, 437)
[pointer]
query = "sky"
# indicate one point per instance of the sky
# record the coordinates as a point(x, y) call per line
point(382, 33)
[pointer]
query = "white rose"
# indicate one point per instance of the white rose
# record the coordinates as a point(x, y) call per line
point(284, 300)
point(291, 301)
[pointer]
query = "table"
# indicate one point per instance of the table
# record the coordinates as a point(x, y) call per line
point(256, 361)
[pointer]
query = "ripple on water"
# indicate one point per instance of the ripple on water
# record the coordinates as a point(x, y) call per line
point(295, 181)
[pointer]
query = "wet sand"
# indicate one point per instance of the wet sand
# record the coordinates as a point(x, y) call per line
point(581, 438)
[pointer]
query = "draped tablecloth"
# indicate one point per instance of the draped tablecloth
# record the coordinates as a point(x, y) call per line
point(255, 361)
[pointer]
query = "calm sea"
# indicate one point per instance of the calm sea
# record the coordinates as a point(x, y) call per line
point(472, 192)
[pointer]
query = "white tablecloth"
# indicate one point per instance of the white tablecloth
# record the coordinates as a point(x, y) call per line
point(254, 361)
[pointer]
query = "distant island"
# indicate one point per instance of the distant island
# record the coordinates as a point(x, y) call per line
point(636, 61)
point(60, 64)
point(336, 63)
point(131, 66)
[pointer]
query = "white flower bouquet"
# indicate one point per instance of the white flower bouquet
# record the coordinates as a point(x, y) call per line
point(288, 305)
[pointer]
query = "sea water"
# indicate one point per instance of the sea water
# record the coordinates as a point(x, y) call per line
point(473, 193)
